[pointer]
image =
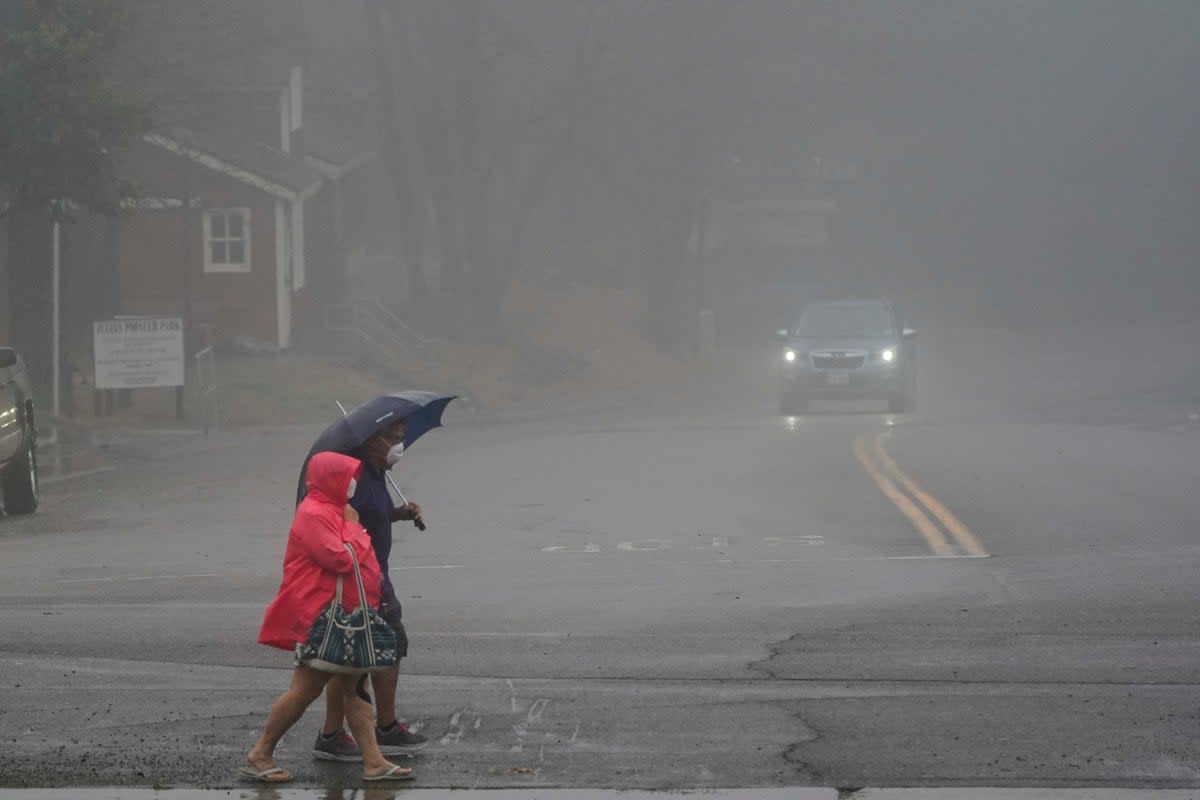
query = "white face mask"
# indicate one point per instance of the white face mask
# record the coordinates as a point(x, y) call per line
point(353, 488)
point(394, 453)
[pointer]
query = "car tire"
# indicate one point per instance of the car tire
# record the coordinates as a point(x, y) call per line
point(21, 484)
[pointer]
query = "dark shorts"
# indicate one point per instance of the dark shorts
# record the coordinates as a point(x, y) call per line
point(393, 615)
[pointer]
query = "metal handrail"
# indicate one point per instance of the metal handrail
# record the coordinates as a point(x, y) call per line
point(206, 376)
point(379, 327)
point(394, 321)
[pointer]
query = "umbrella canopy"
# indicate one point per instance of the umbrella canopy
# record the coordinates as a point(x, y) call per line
point(421, 411)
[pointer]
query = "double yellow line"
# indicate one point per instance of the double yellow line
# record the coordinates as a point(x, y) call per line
point(883, 470)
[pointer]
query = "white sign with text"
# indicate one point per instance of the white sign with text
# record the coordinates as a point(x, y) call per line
point(138, 352)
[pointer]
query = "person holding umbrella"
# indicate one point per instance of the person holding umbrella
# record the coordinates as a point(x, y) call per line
point(314, 562)
point(377, 433)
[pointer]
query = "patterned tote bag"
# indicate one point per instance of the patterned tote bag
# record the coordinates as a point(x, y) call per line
point(349, 642)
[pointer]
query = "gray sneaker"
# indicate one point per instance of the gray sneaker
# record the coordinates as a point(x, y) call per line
point(338, 747)
point(400, 741)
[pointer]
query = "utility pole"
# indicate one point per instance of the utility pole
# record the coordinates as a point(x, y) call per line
point(186, 210)
point(56, 326)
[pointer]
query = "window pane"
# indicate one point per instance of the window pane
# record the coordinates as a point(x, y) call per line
point(237, 252)
point(218, 255)
point(236, 228)
point(216, 224)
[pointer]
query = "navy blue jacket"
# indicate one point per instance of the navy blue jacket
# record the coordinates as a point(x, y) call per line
point(375, 508)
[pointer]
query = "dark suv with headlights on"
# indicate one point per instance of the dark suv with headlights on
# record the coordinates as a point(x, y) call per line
point(848, 349)
point(18, 436)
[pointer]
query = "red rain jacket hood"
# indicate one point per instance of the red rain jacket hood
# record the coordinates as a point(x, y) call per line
point(315, 555)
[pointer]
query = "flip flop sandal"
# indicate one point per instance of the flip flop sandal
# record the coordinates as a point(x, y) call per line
point(264, 776)
point(393, 774)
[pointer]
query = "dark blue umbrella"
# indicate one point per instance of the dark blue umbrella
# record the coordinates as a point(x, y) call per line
point(421, 411)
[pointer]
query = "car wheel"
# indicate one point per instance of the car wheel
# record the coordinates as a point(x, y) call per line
point(21, 484)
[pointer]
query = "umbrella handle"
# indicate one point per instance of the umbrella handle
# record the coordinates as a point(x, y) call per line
point(419, 523)
point(404, 500)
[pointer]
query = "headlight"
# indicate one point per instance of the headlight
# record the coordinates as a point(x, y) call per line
point(888, 355)
point(789, 355)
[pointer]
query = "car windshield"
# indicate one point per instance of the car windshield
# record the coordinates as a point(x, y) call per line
point(830, 320)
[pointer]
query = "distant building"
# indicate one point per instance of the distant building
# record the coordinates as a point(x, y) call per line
point(246, 236)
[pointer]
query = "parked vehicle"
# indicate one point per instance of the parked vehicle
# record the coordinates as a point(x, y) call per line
point(18, 436)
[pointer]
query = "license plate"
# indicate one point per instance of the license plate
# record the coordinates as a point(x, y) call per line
point(838, 379)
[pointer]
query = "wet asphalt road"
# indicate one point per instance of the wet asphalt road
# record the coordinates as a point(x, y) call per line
point(682, 590)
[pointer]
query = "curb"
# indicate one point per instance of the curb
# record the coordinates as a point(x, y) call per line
point(758, 793)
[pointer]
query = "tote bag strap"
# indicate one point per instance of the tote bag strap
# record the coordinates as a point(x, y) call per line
point(362, 591)
point(362, 602)
point(337, 597)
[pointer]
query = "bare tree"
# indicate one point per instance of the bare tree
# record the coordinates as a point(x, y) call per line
point(482, 107)
point(687, 97)
point(477, 107)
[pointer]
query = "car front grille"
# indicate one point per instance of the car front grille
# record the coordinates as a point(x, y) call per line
point(838, 360)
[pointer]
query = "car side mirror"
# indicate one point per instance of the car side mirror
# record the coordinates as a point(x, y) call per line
point(908, 334)
point(8, 357)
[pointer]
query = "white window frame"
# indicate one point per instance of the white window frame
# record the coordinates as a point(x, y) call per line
point(209, 240)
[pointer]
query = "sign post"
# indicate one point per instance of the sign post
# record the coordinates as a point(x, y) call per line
point(138, 352)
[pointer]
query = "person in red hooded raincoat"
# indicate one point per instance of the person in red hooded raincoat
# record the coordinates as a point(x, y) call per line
point(314, 558)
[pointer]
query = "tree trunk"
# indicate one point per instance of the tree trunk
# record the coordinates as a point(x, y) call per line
point(30, 302)
point(669, 219)
point(396, 151)
point(652, 249)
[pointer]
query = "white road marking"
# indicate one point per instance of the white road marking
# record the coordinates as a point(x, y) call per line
point(455, 733)
point(959, 556)
point(521, 729)
point(537, 709)
point(590, 547)
point(640, 546)
point(142, 578)
point(493, 635)
point(803, 540)
point(50, 480)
